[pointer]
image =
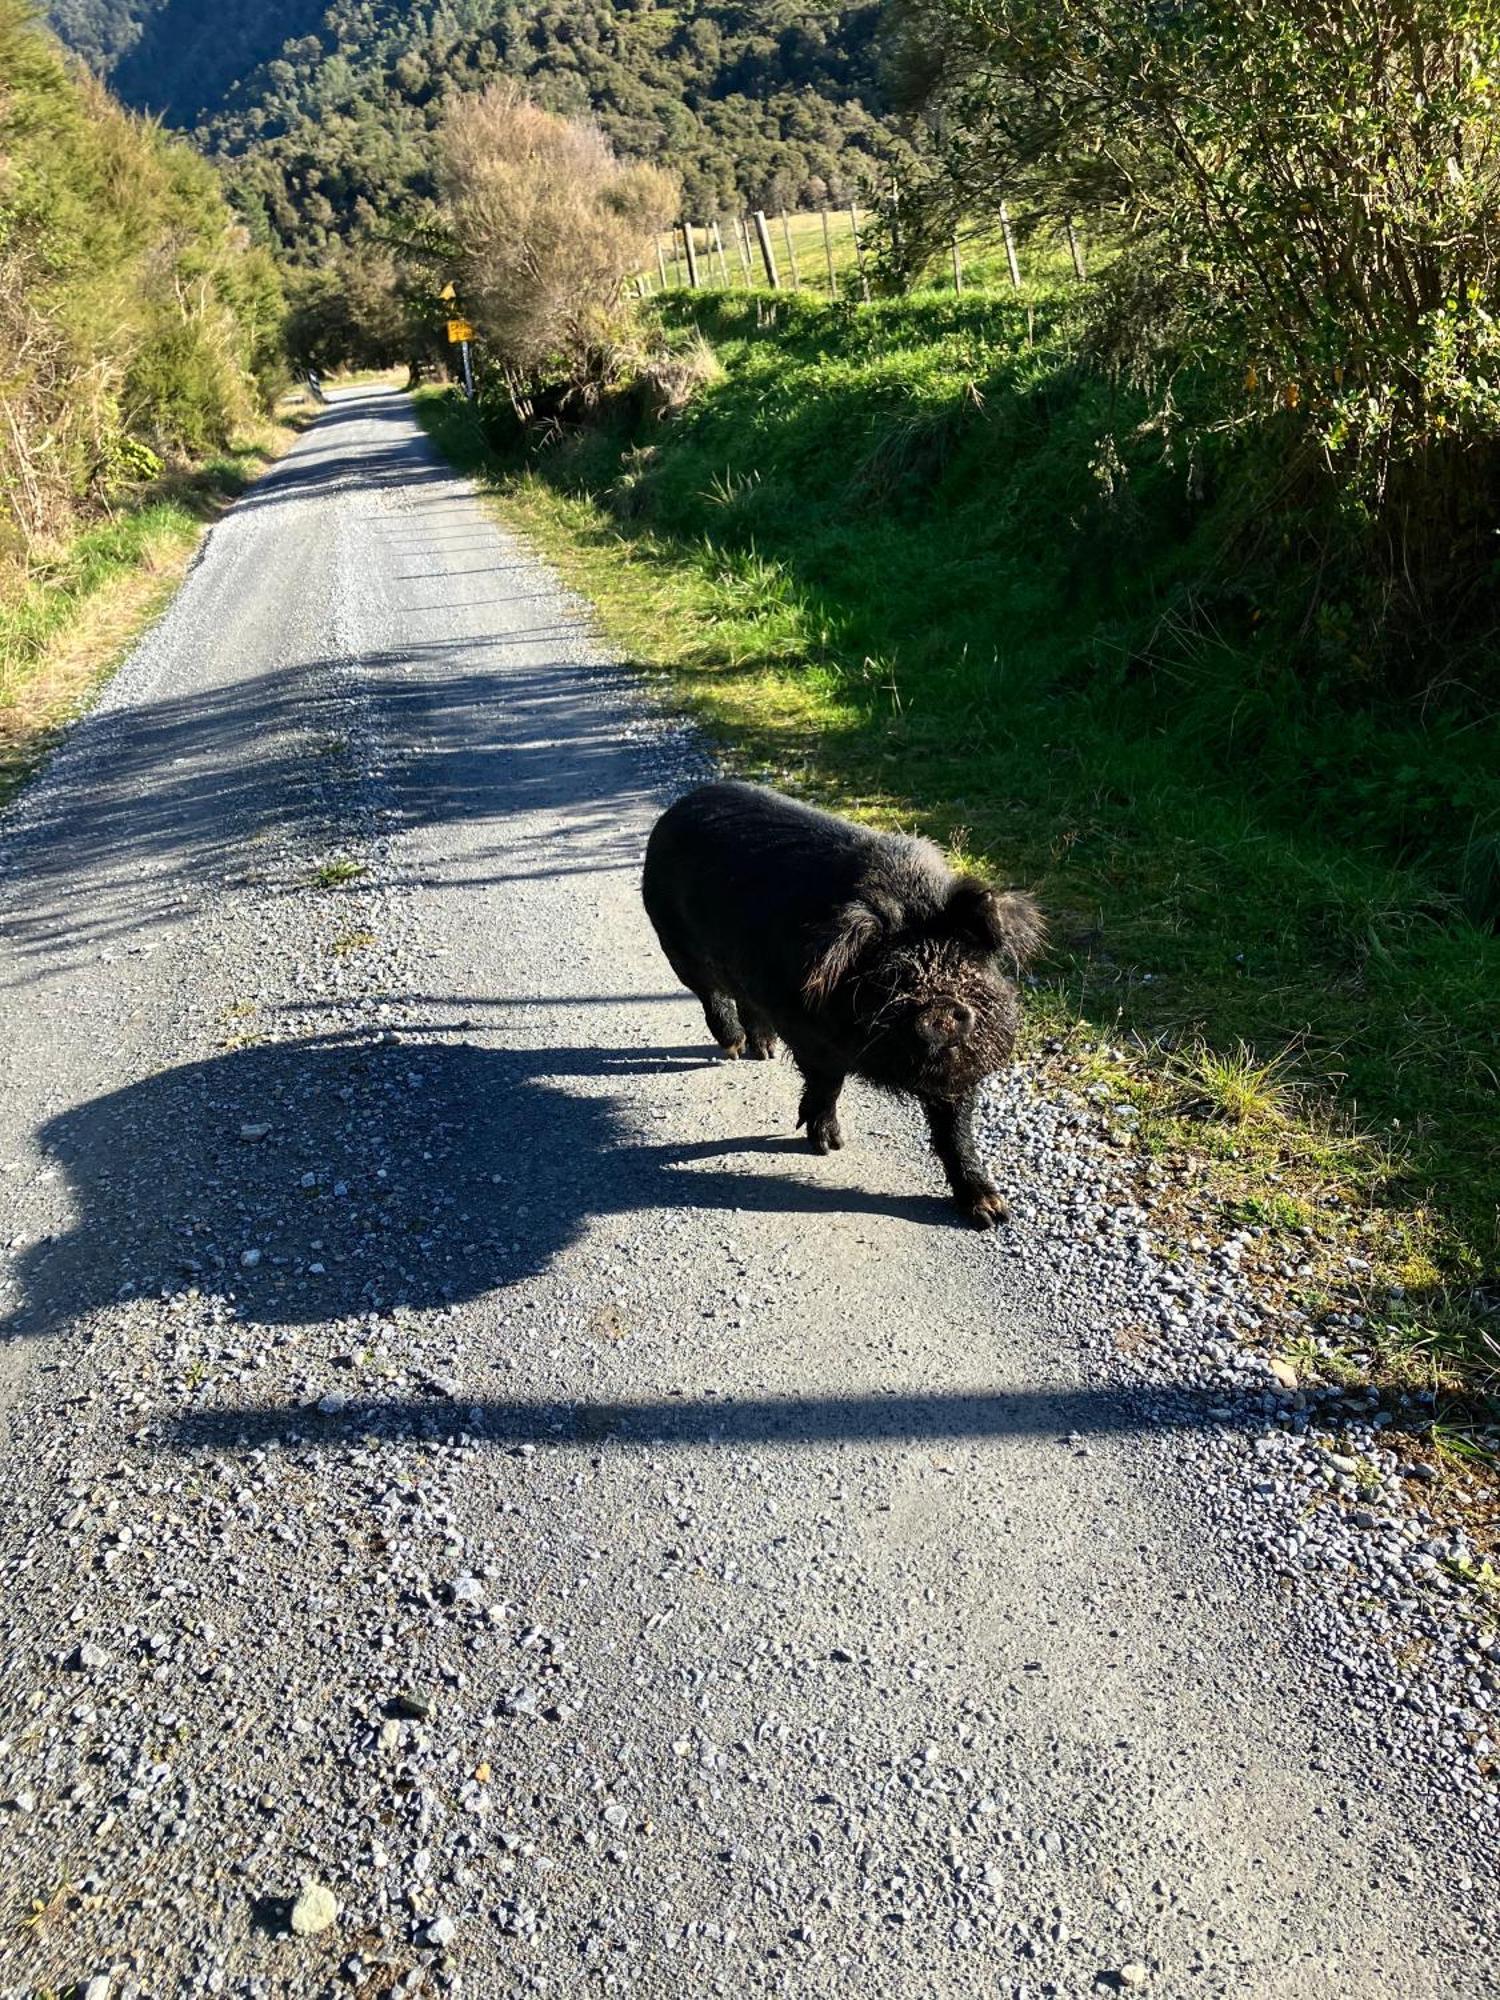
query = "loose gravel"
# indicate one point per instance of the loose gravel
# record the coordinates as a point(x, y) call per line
point(488, 1513)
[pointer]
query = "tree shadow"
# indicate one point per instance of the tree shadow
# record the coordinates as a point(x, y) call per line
point(322, 1179)
point(736, 1423)
point(194, 785)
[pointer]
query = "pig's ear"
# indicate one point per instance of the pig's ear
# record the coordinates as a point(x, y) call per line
point(854, 929)
point(1004, 922)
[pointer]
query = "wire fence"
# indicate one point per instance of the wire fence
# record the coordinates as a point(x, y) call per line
point(830, 252)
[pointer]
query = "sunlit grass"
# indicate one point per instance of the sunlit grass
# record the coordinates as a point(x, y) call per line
point(1235, 1084)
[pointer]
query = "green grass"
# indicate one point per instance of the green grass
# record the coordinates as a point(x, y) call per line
point(337, 873)
point(892, 560)
point(1235, 1085)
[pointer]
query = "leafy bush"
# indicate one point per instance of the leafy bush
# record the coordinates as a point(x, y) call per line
point(548, 226)
point(1311, 202)
point(135, 319)
point(356, 308)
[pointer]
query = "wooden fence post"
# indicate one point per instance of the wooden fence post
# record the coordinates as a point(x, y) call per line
point(661, 263)
point(791, 255)
point(723, 260)
point(1010, 246)
point(742, 250)
point(859, 252)
point(768, 255)
point(833, 283)
point(692, 254)
point(1073, 244)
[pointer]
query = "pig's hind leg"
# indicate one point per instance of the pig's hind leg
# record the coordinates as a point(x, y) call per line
point(719, 1010)
point(760, 1035)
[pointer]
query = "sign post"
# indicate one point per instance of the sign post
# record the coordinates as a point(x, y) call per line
point(460, 333)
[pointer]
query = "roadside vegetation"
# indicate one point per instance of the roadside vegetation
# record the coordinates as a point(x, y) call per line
point(140, 349)
point(546, 228)
point(924, 560)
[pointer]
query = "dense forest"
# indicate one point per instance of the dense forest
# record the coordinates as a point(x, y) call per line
point(324, 120)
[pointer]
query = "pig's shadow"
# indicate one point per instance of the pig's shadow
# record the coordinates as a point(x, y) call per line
point(320, 1179)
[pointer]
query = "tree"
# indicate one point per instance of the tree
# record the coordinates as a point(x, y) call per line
point(549, 226)
point(1309, 195)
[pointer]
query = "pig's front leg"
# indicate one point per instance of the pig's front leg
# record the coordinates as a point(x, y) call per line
point(952, 1128)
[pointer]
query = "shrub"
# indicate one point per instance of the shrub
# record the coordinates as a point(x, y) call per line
point(1310, 196)
point(357, 309)
point(549, 228)
point(135, 318)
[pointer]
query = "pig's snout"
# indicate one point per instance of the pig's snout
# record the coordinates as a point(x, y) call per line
point(946, 1024)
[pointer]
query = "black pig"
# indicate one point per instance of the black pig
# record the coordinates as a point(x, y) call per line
point(862, 951)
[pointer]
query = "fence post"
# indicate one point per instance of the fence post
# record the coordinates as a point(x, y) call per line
point(723, 260)
point(833, 283)
point(692, 254)
point(1010, 246)
point(1073, 244)
point(958, 269)
point(859, 252)
point(661, 263)
point(791, 255)
point(768, 255)
point(742, 250)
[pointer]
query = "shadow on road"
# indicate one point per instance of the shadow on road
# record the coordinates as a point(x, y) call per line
point(189, 790)
point(331, 460)
point(195, 785)
point(326, 1178)
point(754, 1421)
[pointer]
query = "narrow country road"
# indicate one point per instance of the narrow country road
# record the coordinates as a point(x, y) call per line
point(477, 1488)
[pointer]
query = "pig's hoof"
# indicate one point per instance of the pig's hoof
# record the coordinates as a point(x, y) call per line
point(823, 1135)
point(732, 1051)
point(984, 1206)
point(761, 1048)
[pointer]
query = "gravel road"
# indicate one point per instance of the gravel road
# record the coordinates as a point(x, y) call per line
point(488, 1512)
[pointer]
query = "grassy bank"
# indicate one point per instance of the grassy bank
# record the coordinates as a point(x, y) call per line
point(65, 623)
point(891, 559)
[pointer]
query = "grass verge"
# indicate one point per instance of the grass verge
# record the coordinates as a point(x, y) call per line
point(894, 559)
point(65, 624)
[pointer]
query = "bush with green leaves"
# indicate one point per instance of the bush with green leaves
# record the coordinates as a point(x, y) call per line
point(1308, 200)
point(358, 307)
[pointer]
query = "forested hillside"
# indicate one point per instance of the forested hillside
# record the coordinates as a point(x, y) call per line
point(325, 119)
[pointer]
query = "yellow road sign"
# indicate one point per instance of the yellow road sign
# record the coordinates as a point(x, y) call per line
point(459, 329)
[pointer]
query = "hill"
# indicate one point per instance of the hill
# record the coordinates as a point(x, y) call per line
point(323, 118)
